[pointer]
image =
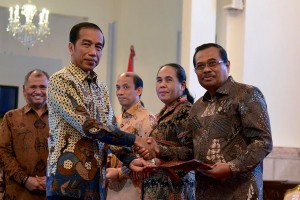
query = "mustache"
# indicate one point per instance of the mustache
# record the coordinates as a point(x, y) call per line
point(207, 75)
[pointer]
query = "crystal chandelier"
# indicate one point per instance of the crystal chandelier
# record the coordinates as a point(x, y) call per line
point(28, 34)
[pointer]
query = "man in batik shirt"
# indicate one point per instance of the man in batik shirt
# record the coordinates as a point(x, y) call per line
point(231, 130)
point(134, 119)
point(23, 142)
point(79, 116)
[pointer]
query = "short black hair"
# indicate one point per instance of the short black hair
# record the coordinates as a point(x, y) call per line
point(222, 51)
point(74, 33)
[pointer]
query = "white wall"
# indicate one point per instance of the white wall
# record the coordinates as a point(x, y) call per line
point(198, 27)
point(272, 47)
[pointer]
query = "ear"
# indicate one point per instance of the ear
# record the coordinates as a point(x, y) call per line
point(24, 94)
point(139, 91)
point(71, 48)
point(183, 85)
point(228, 66)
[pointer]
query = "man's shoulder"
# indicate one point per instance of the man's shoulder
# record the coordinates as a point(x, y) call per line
point(231, 83)
point(140, 113)
point(63, 72)
point(244, 88)
point(14, 113)
point(147, 112)
point(19, 110)
point(139, 108)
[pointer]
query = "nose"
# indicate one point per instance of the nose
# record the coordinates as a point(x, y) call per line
point(161, 84)
point(119, 92)
point(208, 67)
point(93, 51)
point(38, 91)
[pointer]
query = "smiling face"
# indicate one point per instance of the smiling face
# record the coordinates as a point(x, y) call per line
point(168, 87)
point(126, 92)
point(87, 51)
point(34, 90)
point(211, 78)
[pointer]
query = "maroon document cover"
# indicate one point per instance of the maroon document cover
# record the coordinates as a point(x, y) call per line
point(170, 166)
point(185, 165)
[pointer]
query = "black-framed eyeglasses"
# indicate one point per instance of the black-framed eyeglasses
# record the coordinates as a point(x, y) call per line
point(210, 64)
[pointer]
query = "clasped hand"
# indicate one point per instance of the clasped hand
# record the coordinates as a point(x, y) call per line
point(37, 184)
point(147, 148)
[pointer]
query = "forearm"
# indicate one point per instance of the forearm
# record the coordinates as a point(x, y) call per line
point(168, 153)
point(114, 136)
point(12, 167)
point(177, 151)
point(124, 154)
point(256, 133)
point(249, 158)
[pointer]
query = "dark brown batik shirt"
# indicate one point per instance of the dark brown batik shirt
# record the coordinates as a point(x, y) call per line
point(23, 150)
point(233, 127)
point(175, 145)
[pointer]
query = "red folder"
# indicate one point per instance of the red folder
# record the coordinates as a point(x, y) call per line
point(185, 165)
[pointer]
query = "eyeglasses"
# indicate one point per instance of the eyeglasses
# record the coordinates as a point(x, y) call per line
point(210, 64)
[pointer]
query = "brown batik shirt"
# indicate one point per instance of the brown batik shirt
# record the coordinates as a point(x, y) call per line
point(175, 144)
point(23, 150)
point(231, 128)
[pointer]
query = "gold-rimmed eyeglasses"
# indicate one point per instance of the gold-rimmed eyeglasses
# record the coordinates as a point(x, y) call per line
point(210, 64)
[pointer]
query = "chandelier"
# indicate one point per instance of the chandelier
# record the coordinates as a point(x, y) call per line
point(28, 33)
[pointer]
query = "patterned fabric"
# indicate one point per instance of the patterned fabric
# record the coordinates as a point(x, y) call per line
point(77, 163)
point(234, 128)
point(139, 121)
point(2, 185)
point(171, 122)
point(23, 150)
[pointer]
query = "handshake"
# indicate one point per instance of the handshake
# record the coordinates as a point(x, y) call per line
point(147, 148)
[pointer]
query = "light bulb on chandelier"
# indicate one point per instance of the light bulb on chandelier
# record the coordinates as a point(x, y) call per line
point(28, 34)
